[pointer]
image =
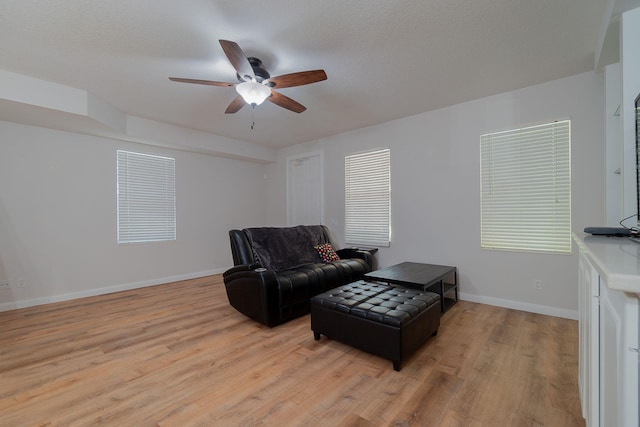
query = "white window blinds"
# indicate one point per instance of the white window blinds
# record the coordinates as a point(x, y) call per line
point(368, 198)
point(146, 198)
point(526, 189)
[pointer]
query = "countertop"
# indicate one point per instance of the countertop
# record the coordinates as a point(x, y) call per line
point(617, 260)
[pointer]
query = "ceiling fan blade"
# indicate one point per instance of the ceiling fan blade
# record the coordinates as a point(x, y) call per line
point(202, 82)
point(298, 79)
point(235, 105)
point(286, 102)
point(238, 59)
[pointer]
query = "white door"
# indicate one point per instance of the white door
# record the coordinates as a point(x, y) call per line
point(305, 192)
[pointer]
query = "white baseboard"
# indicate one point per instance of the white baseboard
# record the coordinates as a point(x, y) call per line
point(523, 306)
point(13, 305)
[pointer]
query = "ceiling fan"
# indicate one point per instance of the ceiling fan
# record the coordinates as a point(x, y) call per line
point(255, 84)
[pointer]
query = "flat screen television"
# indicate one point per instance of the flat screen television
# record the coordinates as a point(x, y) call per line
point(637, 115)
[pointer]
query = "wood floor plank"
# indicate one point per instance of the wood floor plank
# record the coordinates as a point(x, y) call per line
point(179, 355)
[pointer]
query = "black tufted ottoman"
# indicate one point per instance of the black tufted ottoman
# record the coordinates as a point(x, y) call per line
point(389, 321)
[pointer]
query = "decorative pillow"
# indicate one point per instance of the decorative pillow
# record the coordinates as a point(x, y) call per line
point(326, 252)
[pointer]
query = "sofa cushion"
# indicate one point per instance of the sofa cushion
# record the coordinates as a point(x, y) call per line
point(282, 248)
point(300, 284)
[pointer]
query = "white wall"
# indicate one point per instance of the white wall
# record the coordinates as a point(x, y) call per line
point(58, 216)
point(435, 189)
point(614, 147)
point(57, 202)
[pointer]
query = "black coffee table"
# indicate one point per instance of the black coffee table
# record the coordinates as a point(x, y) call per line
point(441, 279)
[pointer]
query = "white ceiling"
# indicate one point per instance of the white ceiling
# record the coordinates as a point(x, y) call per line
point(385, 59)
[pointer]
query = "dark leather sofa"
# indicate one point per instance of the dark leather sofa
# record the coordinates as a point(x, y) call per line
point(277, 271)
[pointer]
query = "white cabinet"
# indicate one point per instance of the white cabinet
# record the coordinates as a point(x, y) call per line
point(609, 323)
point(618, 358)
point(589, 339)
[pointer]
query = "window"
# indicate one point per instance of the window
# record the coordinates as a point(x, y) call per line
point(367, 198)
point(526, 189)
point(146, 198)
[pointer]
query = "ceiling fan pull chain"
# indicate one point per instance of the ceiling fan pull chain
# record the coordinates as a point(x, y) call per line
point(253, 120)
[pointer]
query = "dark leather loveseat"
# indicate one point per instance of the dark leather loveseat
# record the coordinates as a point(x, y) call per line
point(278, 270)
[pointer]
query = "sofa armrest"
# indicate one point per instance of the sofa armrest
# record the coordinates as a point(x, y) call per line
point(242, 267)
point(364, 254)
point(253, 291)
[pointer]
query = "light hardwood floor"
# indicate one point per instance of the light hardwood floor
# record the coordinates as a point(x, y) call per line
point(179, 355)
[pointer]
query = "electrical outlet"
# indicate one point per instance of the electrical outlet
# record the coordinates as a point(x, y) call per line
point(20, 283)
point(4, 284)
point(537, 284)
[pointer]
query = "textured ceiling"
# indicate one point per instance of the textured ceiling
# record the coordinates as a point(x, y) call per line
point(384, 59)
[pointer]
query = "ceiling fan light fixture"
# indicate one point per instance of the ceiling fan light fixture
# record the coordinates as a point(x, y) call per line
point(252, 92)
point(255, 84)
